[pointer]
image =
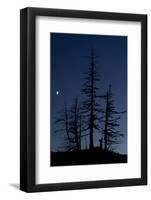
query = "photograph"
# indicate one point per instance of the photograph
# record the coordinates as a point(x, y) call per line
point(88, 99)
point(83, 99)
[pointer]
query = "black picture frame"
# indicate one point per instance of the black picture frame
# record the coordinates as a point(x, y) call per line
point(28, 99)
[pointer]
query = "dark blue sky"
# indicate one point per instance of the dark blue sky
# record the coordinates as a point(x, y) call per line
point(69, 62)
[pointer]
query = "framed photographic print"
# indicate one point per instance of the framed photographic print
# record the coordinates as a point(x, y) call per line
point(83, 99)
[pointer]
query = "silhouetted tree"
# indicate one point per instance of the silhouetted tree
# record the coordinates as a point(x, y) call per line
point(111, 131)
point(90, 105)
point(63, 121)
point(70, 124)
point(75, 125)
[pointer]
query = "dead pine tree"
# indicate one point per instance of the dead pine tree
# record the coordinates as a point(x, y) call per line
point(62, 124)
point(75, 124)
point(111, 133)
point(90, 106)
point(69, 123)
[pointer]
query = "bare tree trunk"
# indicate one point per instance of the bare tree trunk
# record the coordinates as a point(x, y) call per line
point(106, 122)
point(90, 107)
point(111, 133)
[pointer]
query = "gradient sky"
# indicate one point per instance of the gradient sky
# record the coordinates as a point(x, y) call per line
point(69, 62)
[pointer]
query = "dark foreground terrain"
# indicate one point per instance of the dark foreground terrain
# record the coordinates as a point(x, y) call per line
point(84, 157)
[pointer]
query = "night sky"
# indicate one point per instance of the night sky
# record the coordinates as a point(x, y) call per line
point(69, 58)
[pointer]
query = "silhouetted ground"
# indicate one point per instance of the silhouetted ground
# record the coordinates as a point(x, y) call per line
point(84, 157)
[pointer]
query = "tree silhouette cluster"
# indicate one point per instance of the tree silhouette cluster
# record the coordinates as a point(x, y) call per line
point(97, 113)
